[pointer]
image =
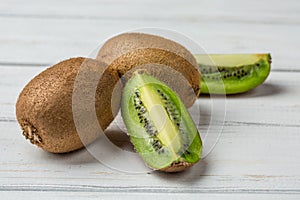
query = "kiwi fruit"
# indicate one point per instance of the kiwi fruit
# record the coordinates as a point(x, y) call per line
point(44, 107)
point(165, 59)
point(159, 125)
point(232, 73)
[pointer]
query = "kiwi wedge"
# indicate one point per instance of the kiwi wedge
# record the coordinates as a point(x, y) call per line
point(44, 107)
point(165, 59)
point(232, 73)
point(160, 127)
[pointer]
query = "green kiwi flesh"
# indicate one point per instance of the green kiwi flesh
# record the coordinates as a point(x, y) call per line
point(232, 73)
point(160, 127)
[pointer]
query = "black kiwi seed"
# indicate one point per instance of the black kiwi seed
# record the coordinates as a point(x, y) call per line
point(225, 73)
point(162, 150)
point(150, 132)
point(143, 110)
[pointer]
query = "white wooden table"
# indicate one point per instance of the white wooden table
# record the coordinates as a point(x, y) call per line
point(258, 153)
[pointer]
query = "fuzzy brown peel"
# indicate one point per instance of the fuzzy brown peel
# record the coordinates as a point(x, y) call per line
point(164, 59)
point(44, 107)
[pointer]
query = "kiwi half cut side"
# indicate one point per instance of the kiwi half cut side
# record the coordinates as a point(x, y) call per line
point(232, 73)
point(160, 127)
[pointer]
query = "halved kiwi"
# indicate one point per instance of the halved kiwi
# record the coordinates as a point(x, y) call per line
point(232, 73)
point(160, 128)
point(44, 107)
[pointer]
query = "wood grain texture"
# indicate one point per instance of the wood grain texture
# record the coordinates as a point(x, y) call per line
point(109, 196)
point(59, 30)
point(257, 155)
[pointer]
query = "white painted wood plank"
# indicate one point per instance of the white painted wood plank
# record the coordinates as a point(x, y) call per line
point(108, 195)
point(257, 151)
point(269, 11)
point(11, 195)
point(246, 159)
point(35, 42)
point(45, 33)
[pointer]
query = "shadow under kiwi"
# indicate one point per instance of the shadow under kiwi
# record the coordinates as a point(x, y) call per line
point(117, 138)
point(264, 90)
point(186, 177)
point(83, 156)
point(121, 140)
point(77, 157)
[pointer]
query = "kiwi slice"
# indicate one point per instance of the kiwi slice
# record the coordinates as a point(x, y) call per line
point(232, 73)
point(164, 59)
point(44, 107)
point(160, 127)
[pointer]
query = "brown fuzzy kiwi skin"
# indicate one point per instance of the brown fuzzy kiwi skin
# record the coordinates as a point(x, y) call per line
point(44, 107)
point(177, 167)
point(127, 51)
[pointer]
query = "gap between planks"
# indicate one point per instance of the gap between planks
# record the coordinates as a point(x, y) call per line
point(142, 189)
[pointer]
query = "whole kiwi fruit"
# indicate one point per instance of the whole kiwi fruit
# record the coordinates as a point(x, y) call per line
point(164, 59)
point(45, 107)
